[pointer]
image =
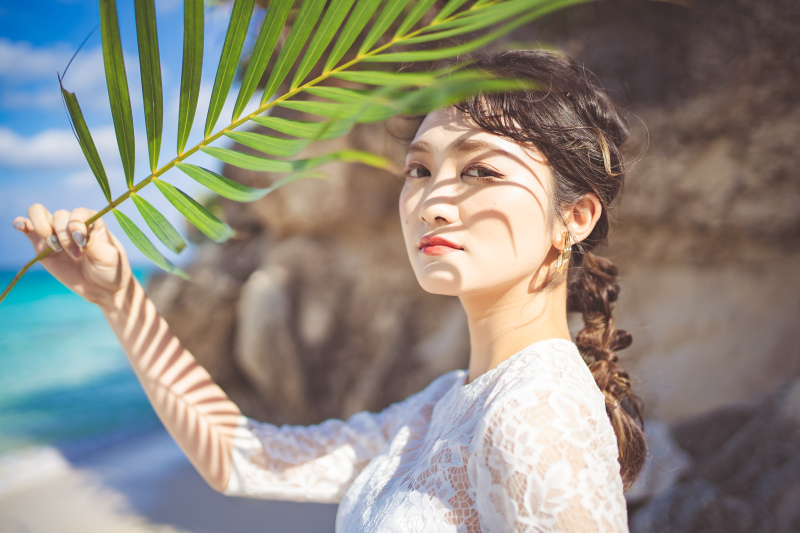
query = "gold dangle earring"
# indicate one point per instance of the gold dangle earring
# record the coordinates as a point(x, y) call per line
point(563, 257)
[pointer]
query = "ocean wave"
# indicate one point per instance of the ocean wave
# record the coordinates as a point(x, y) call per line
point(30, 467)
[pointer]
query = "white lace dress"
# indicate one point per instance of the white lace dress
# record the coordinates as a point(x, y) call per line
point(526, 446)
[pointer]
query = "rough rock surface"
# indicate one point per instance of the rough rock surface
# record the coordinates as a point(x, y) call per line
point(708, 240)
point(665, 463)
point(746, 476)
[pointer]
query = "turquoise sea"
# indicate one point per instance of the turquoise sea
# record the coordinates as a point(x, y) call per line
point(64, 380)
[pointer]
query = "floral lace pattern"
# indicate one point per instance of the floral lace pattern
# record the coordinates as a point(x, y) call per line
point(526, 446)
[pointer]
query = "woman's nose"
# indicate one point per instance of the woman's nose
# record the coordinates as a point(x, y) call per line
point(439, 204)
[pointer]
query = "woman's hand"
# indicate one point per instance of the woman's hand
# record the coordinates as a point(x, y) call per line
point(195, 410)
point(91, 261)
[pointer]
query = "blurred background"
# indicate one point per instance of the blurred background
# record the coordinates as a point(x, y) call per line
point(300, 321)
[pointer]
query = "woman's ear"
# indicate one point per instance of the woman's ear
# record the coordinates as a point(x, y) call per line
point(581, 217)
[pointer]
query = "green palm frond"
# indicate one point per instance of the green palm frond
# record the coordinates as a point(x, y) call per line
point(390, 32)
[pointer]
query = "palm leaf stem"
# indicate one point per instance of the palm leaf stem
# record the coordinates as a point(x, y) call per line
point(22, 272)
point(396, 40)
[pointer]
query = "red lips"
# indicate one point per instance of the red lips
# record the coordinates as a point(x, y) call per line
point(438, 241)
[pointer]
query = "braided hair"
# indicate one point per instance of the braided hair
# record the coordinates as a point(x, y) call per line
point(574, 125)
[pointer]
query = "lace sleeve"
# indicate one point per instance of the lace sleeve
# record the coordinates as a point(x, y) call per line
point(546, 461)
point(313, 463)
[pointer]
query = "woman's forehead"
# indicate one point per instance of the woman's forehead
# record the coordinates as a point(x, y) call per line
point(447, 120)
point(451, 131)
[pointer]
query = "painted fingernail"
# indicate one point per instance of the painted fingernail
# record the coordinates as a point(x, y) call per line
point(52, 242)
point(20, 225)
point(79, 238)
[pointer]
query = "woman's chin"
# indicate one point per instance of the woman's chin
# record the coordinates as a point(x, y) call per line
point(441, 281)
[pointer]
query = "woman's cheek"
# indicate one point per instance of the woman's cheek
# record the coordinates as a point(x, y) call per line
point(406, 201)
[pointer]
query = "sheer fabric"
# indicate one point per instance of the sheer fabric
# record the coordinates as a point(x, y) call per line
point(526, 446)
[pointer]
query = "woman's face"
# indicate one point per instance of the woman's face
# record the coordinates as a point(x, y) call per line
point(481, 193)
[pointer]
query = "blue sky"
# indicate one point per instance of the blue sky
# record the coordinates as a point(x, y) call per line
point(40, 160)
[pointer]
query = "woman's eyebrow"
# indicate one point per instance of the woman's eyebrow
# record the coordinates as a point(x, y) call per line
point(475, 145)
point(462, 146)
point(420, 146)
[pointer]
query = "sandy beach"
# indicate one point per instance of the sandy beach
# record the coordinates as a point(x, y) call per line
point(142, 485)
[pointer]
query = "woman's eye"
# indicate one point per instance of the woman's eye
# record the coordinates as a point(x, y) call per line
point(480, 173)
point(417, 172)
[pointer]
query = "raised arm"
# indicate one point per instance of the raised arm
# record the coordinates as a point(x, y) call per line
point(194, 409)
point(234, 454)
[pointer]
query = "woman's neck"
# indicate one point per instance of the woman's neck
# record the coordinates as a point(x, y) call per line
point(503, 322)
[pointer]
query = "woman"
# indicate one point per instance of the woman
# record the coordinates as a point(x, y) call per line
point(498, 191)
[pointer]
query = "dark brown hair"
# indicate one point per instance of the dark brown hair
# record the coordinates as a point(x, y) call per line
point(574, 125)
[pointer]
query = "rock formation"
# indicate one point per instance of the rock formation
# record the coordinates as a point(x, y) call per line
point(746, 476)
point(708, 240)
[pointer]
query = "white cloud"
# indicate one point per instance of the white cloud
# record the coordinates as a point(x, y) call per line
point(50, 149)
point(83, 179)
point(49, 99)
point(21, 61)
point(29, 74)
point(86, 71)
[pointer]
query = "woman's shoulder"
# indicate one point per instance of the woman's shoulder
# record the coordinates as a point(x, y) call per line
point(440, 385)
point(547, 428)
point(550, 392)
point(551, 371)
point(431, 394)
point(550, 362)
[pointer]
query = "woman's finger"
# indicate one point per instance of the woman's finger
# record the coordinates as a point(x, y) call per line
point(99, 248)
point(94, 239)
point(98, 232)
point(77, 225)
point(26, 226)
point(23, 224)
point(60, 219)
point(42, 225)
